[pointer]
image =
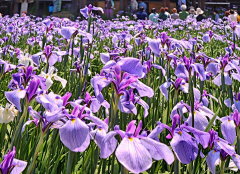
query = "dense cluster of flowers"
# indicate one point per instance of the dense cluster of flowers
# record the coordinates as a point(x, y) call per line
point(119, 96)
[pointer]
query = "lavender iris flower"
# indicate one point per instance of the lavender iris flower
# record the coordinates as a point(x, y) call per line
point(183, 144)
point(135, 152)
point(228, 126)
point(10, 28)
point(53, 102)
point(179, 84)
point(147, 66)
point(67, 32)
point(48, 55)
point(75, 133)
point(208, 36)
point(200, 112)
point(7, 66)
point(127, 64)
point(91, 102)
point(165, 43)
point(128, 101)
point(183, 69)
point(105, 57)
point(220, 148)
point(16, 95)
point(55, 110)
point(205, 100)
point(86, 11)
point(120, 83)
point(11, 165)
point(226, 66)
point(236, 103)
point(101, 130)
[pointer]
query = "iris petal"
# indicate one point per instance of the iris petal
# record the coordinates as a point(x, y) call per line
point(229, 131)
point(15, 96)
point(213, 159)
point(133, 155)
point(158, 150)
point(75, 135)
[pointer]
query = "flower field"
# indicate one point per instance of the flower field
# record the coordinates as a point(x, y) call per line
point(120, 96)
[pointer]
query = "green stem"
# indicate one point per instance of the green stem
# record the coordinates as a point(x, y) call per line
point(177, 169)
point(238, 140)
point(124, 170)
point(115, 108)
point(36, 153)
point(191, 97)
point(71, 157)
point(190, 167)
point(113, 161)
point(18, 129)
point(175, 97)
point(223, 92)
point(222, 167)
point(40, 141)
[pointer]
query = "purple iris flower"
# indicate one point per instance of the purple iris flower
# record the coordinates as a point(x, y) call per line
point(156, 47)
point(67, 32)
point(53, 102)
point(10, 28)
point(55, 110)
point(11, 165)
point(127, 64)
point(101, 130)
point(179, 84)
point(180, 108)
point(127, 103)
point(75, 133)
point(183, 144)
point(135, 152)
point(47, 22)
point(200, 112)
point(226, 66)
point(45, 119)
point(86, 11)
point(7, 66)
point(147, 66)
point(16, 95)
point(183, 69)
point(228, 126)
point(49, 56)
point(120, 82)
point(236, 103)
point(78, 65)
point(163, 43)
point(91, 102)
point(205, 100)
point(105, 57)
point(208, 36)
point(220, 151)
